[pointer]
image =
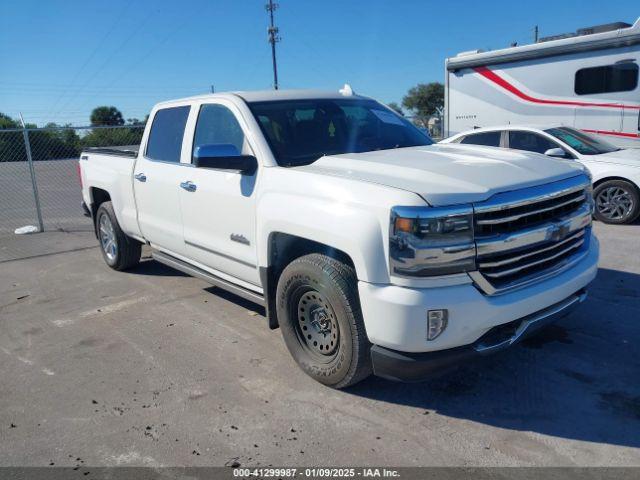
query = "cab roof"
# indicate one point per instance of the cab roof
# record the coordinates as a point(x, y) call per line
point(272, 95)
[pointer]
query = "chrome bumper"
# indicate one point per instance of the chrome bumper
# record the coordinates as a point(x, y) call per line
point(531, 323)
point(416, 367)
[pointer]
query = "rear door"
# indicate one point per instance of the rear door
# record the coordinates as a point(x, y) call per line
point(218, 209)
point(156, 180)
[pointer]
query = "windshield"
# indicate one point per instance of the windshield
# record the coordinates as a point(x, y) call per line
point(581, 142)
point(301, 131)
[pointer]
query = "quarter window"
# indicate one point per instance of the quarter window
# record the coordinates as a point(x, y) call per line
point(217, 125)
point(167, 132)
point(490, 139)
point(620, 77)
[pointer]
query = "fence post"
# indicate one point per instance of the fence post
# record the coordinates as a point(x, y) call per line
point(34, 184)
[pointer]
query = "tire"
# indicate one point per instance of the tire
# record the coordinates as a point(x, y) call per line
point(119, 251)
point(616, 202)
point(321, 321)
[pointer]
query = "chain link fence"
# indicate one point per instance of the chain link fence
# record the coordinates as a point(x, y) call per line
point(39, 183)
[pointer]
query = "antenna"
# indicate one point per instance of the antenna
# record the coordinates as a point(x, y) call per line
point(274, 37)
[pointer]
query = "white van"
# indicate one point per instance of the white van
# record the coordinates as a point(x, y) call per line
point(587, 80)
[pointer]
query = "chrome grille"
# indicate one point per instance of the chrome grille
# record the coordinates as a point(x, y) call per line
point(516, 218)
point(527, 235)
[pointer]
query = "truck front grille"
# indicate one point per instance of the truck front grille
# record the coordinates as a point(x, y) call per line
point(518, 217)
point(527, 235)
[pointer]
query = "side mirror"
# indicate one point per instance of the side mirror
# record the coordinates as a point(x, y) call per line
point(224, 156)
point(556, 152)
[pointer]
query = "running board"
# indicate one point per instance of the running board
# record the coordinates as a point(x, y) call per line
point(193, 271)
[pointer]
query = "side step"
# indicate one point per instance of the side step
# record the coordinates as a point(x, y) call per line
point(184, 267)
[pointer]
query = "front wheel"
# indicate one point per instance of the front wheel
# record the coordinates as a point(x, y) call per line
point(321, 322)
point(120, 251)
point(616, 202)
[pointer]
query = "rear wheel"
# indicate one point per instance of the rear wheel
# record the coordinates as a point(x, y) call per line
point(119, 251)
point(616, 201)
point(321, 322)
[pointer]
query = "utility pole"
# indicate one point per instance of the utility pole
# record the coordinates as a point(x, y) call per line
point(273, 39)
point(535, 34)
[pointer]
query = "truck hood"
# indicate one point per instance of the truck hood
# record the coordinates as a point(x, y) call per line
point(627, 156)
point(448, 174)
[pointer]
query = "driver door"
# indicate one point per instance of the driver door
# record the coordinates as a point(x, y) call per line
point(218, 206)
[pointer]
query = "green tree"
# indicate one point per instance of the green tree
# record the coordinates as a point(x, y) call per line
point(424, 100)
point(111, 137)
point(54, 142)
point(106, 116)
point(7, 122)
point(11, 143)
point(397, 108)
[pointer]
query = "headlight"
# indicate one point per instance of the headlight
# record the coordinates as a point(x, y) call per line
point(427, 241)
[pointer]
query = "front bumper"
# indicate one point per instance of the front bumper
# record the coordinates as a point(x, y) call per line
point(395, 317)
point(414, 367)
point(85, 210)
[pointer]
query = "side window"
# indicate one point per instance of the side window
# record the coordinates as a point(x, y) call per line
point(620, 77)
point(490, 139)
point(529, 141)
point(167, 132)
point(217, 125)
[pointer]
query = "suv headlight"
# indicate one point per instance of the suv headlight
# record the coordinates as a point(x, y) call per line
point(428, 241)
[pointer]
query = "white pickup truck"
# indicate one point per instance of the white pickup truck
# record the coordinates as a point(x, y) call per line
point(372, 249)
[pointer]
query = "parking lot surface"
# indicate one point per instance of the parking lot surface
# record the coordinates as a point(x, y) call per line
point(153, 368)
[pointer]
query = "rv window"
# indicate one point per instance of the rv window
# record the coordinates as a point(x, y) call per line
point(621, 77)
point(490, 139)
point(529, 141)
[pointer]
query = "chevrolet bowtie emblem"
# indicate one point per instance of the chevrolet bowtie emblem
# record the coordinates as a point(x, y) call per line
point(558, 232)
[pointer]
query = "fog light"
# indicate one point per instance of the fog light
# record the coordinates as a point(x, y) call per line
point(436, 323)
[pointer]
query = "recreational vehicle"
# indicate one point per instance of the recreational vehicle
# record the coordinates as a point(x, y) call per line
point(587, 80)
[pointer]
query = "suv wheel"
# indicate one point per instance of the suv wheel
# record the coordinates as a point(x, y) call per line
point(617, 202)
point(321, 322)
point(119, 250)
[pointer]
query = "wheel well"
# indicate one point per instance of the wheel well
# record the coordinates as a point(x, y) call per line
point(606, 179)
point(283, 249)
point(98, 197)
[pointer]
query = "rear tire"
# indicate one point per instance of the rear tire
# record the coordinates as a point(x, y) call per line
point(119, 251)
point(616, 202)
point(321, 321)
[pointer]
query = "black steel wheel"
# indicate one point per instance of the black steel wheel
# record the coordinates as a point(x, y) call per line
point(321, 321)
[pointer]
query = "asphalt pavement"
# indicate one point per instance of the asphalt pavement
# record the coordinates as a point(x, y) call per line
point(153, 368)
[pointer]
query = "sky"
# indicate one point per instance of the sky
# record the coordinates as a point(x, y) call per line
point(61, 58)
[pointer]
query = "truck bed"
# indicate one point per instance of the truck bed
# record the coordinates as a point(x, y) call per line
point(122, 151)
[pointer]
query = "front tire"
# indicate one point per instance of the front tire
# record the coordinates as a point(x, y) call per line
point(616, 202)
point(119, 251)
point(321, 321)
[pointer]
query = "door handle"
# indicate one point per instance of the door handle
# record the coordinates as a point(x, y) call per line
point(140, 177)
point(189, 186)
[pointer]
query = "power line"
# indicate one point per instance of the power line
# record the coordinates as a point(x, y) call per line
point(93, 54)
point(106, 62)
point(136, 63)
point(274, 37)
